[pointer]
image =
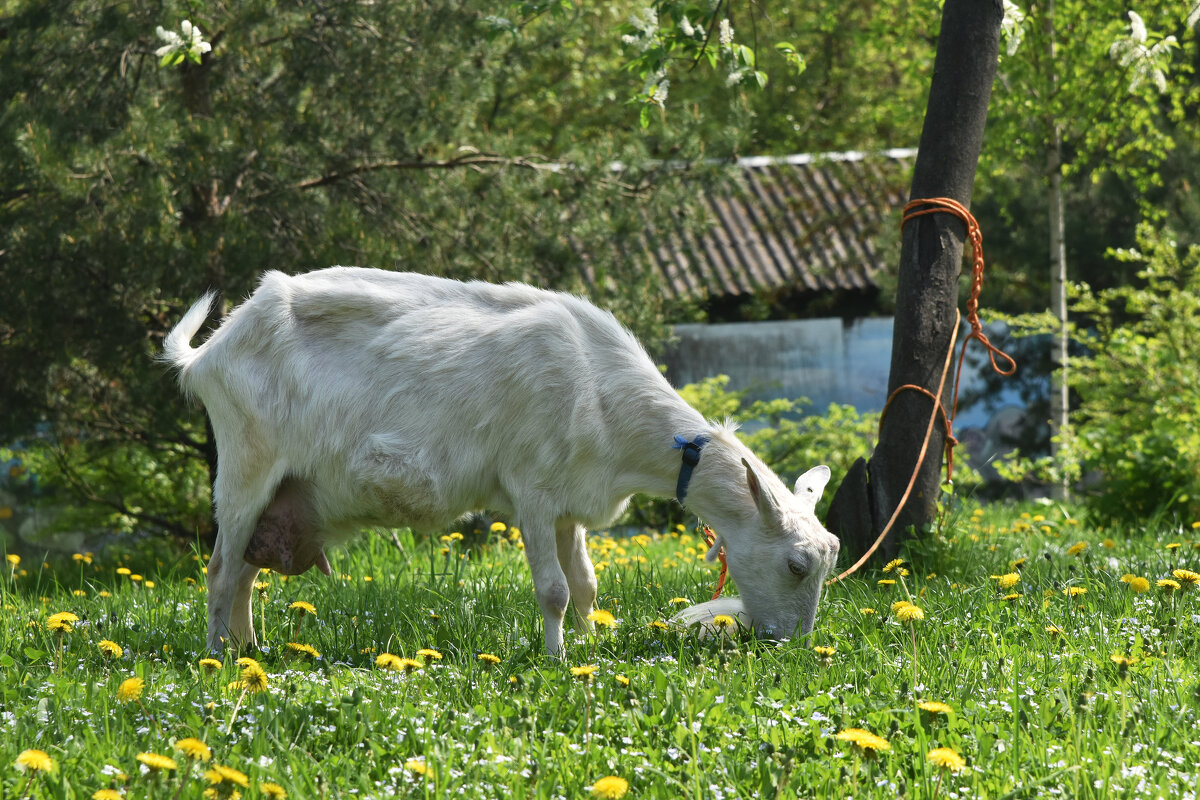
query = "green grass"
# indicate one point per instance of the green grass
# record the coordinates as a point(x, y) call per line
point(1035, 713)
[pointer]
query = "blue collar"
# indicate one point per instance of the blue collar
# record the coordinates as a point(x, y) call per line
point(691, 457)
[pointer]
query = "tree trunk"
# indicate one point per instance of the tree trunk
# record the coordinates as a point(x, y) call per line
point(1058, 275)
point(927, 291)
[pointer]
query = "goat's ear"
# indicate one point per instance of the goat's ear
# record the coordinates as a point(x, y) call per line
point(768, 508)
point(811, 484)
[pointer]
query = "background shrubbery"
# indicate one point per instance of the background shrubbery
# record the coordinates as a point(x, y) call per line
point(1134, 445)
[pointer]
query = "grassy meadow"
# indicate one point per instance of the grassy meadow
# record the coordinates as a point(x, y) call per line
point(1045, 659)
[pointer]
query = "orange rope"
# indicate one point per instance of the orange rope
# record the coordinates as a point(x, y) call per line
point(919, 208)
point(912, 481)
point(710, 537)
point(912, 210)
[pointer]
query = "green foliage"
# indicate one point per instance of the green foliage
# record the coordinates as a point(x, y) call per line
point(414, 136)
point(1135, 436)
point(774, 429)
point(125, 487)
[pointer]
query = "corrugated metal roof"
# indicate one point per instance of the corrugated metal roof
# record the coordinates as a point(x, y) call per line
point(805, 222)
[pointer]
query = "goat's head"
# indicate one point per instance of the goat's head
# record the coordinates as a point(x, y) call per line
point(782, 554)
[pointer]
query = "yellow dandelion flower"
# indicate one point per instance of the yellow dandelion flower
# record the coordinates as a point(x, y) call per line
point(622, 679)
point(303, 649)
point(602, 618)
point(945, 758)
point(910, 613)
point(247, 661)
point(1054, 630)
point(891, 565)
point(1167, 585)
point(610, 787)
point(1007, 580)
point(218, 774)
point(899, 604)
point(679, 601)
point(824, 651)
point(79, 593)
point(934, 707)
point(388, 661)
point(1139, 584)
point(124, 571)
point(885, 582)
point(429, 654)
point(1077, 548)
point(1011, 597)
point(303, 607)
point(63, 621)
point(130, 690)
point(864, 740)
point(156, 762)
point(1186, 577)
point(1123, 660)
point(34, 761)
point(13, 559)
point(866, 610)
point(110, 648)
point(1074, 591)
point(107, 794)
point(657, 625)
point(194, 749)
point(272, 790)
point(254, 679)
point(1109, 544)
point(209, 664)
point(488, 659)
point(498, 527)
point(585, 672)
point(416, 766)
point(1017, 564)
point(723, 621)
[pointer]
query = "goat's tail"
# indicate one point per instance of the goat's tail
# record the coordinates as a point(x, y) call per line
point(177, 347)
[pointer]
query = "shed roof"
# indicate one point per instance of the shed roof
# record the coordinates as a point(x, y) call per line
point(801, 222)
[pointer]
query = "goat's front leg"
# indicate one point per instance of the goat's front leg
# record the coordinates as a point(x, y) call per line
point(549, 582)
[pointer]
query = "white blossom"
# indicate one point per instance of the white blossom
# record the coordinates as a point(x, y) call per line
point(725, 33)
point(1011, 27)
point(1145, 63)
point(190, 44)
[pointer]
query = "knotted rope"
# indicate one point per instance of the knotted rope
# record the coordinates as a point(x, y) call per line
point(912, 210)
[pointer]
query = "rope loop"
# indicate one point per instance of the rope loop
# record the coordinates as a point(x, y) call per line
point(711, 537)
point(912, 210)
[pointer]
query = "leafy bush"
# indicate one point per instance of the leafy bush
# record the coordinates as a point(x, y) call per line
point(98, 485)
point(1134, 438)
point(788, 443)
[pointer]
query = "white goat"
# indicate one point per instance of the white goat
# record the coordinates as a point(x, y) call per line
point(350, 397)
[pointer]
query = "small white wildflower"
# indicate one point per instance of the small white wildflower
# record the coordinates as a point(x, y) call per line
point(725, 33)
point(686, 26)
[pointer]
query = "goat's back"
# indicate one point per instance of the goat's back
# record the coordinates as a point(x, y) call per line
point(465, 388)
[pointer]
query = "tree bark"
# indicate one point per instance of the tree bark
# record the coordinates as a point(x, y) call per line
point(1059, 404)
point(927, 290)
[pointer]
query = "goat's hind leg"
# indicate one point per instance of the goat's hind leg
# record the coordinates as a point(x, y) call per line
point(577, 566)
point(549, 582)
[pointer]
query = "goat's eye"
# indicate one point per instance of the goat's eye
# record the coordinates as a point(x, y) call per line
point(798, 569)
